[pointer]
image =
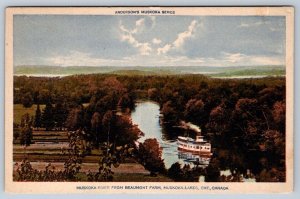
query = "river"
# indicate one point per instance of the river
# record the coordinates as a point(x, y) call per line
point(148, 118)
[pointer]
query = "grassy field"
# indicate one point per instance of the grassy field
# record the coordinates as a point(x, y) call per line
point(20, 110)
point(50, 147)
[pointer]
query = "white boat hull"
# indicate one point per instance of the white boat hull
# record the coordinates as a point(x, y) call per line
point(199, 146)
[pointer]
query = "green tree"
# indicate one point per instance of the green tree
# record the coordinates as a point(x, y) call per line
point(38, 117)
point(113, 158)
point(108, 122)
point(60, 113)
point(150, 156)
point(44, 96)
point(75, 119)
point(25, 120)
point(194, 110)
point(125, 131)
point(26, 135)
point(175, 172)
point(169, 113)
point(218, 120)
point(16, 132)
point(126, 101)
point(47, 117)
point(278, 114)
point(27, 100)
point(274, 142)
point(108, 102)
point(96, 124)
point(213, 171)
point(153, 94)
point(245, 115)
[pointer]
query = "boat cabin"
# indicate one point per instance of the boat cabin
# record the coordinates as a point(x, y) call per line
point(198, 145)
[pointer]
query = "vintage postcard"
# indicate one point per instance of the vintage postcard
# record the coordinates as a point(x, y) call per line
point(149, 100)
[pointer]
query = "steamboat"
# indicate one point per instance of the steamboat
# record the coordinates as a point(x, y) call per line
point(198, 145)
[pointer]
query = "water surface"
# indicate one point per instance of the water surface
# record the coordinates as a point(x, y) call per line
point(148, 118)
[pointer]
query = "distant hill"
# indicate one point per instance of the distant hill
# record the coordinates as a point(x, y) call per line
point(142, 72)
point(219, 72)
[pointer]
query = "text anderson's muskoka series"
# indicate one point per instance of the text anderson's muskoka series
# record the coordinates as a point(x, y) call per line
point(144, 12)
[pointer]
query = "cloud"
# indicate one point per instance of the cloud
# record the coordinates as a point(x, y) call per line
point(156, 41)
point(128, 35)
point(242, 25)
point(123, 29)
point(275, 29)
point(266, 60)
point(247, 25)
point(180, 40)
point(252, 24)
point(277, 26)
point(76, 58)
point(185, 35)
point(153, 20)
point(234, 57)
point(224, 60)
point(140, 22)
point(139, 25)
point(144, 48)
point(164, 49)
point(239, 59)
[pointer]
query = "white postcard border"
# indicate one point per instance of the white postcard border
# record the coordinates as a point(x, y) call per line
point(72, 187)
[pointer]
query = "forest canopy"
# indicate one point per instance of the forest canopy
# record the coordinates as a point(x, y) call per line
point(248, 114)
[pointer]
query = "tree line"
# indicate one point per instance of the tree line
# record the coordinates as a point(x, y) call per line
point(246, 114)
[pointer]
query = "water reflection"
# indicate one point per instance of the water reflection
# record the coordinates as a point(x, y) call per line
point(195, 159)
point(148, 118)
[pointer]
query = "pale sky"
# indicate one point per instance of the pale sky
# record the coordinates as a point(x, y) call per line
point(58, 40)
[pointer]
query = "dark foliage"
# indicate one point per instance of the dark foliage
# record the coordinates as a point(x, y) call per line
point(149, 153)
point(48, 117)
point(38, 117)
point(246, 115)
